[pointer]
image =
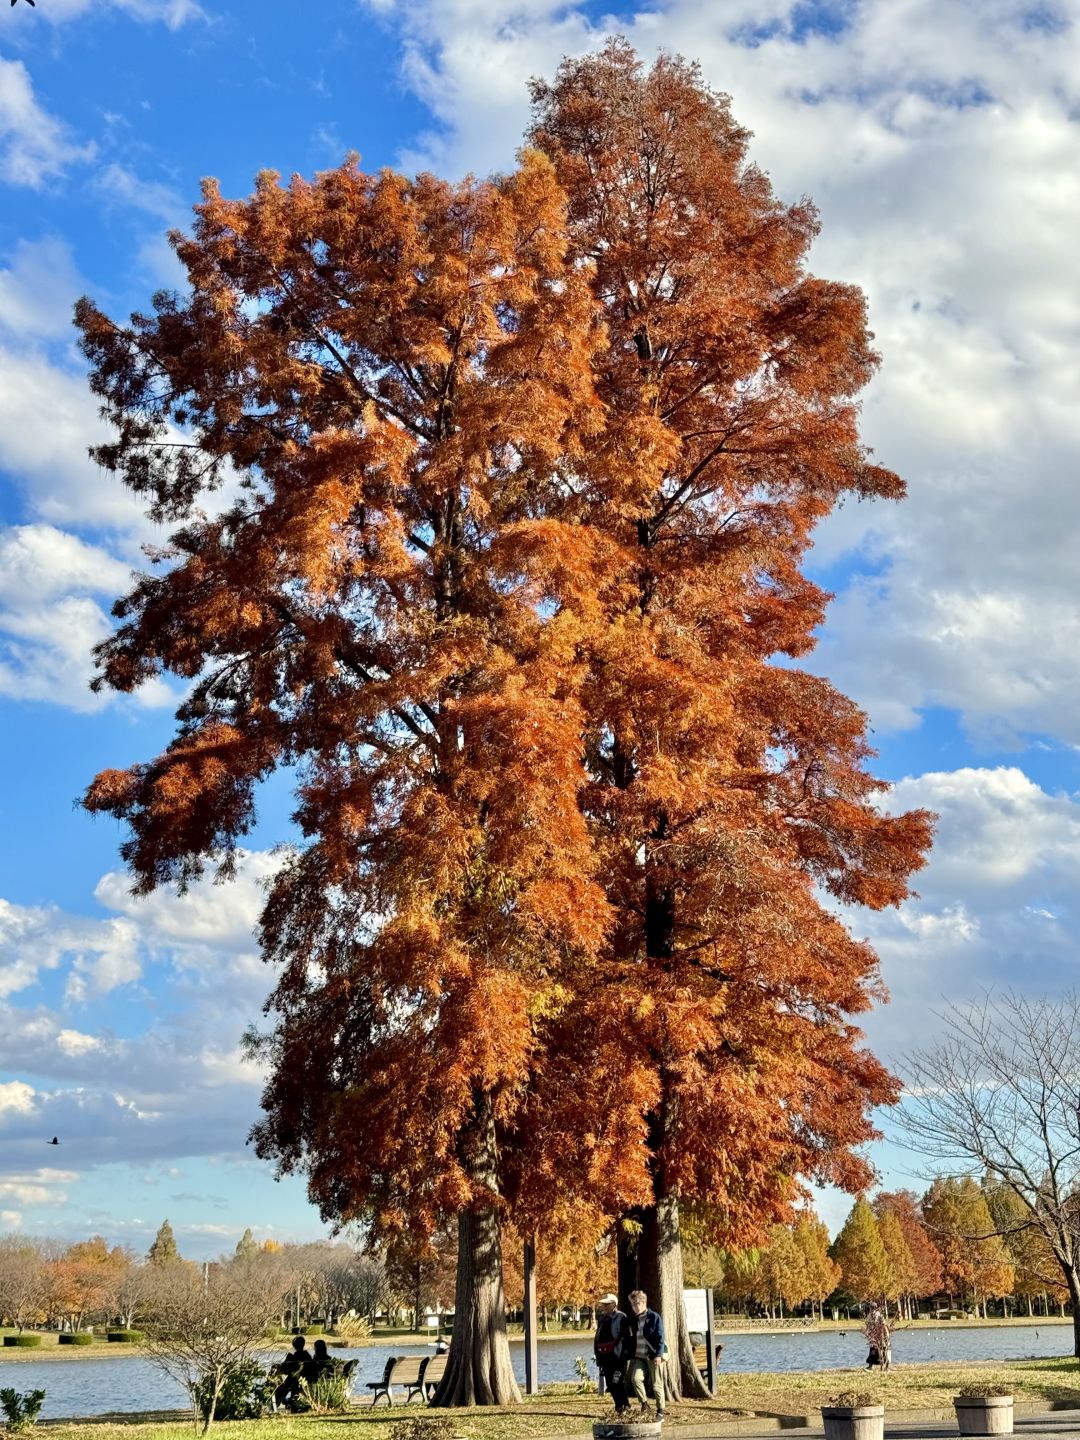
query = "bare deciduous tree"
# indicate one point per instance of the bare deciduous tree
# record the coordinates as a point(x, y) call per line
point(23, 1281)
point(200, 1326)
point(1001, 1094)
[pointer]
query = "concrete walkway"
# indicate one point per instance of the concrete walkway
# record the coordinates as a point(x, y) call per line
point(1045, 1425)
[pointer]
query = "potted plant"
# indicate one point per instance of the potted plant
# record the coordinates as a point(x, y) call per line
point(984, 1410)
point(854, 1415)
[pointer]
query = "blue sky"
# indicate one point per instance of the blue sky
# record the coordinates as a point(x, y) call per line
point(940, 140)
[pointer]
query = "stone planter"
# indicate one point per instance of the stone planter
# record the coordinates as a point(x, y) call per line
point(853, 1422)
point(984, 1414)
point(626, 1430)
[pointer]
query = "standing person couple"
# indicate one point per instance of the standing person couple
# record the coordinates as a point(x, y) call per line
point(630, 1350)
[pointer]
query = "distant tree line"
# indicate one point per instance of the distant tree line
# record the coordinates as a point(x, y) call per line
point(46, 1282)
point(962, 1246)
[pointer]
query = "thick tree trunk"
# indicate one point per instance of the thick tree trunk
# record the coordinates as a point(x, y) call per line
point(478, 1369)
point(660, 1275)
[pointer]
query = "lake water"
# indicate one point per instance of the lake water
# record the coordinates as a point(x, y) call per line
point(98, 1386)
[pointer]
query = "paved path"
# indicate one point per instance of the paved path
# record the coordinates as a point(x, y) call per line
point(1053, 1425)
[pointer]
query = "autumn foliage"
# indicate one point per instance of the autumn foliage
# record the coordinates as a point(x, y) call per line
point(490, 502)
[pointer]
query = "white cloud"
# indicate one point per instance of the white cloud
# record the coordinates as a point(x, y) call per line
point(209, 917)
point(997, 901)
point(117, 185)
point(16, 1095)
point(74, 1042)
point(34, 146)
point(939, 140)
point(37, 1187)
point(102, 953)
point(178, 1085)
point(38, 288)
point(40, 562)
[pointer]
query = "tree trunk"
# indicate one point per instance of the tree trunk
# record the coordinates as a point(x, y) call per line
point(478, 1369)
point(660, 1273)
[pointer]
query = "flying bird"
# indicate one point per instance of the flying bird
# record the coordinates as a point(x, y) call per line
point(54, 1140)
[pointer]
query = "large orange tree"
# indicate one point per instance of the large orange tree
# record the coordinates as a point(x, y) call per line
point(389, 377)
point(729, 797)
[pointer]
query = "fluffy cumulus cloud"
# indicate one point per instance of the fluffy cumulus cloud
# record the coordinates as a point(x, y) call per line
point(996, 905)
point(174, 1083)
point(939, 141)
point(55, 585)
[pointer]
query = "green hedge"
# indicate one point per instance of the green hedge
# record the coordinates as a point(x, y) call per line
point(76, 1337)
point(124, 1337)
point(23, 1342)
point(312, 1329)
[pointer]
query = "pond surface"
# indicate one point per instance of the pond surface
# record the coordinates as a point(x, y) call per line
point(96, 1386)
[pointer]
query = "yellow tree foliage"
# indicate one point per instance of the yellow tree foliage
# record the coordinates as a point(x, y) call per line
point(975, 1260)
point(861, 1256)
point(903, 1272)
point(926, 1258)
point(823, 1274)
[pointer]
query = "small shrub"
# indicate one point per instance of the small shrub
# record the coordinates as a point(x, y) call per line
point(124, 1337)
point(441, 1428)
point(326, 1396)
point(75, 1337)
point(22, 1342)
point(983, 1392)
point(852, 1400)
point(581, 1370)
point(245, 1393)
point(21, 1411)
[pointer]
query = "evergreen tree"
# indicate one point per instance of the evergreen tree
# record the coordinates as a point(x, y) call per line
point(247, 1247)
point(163, 1251)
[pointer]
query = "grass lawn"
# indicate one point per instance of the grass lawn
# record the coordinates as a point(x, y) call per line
point(907, 1387)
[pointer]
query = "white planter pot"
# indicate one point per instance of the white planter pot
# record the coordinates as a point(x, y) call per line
point(986, 1415)
point(854, 1422)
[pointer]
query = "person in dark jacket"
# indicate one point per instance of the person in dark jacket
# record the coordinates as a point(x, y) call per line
point(607, 1348)
point(292, 1367)
point(643, 1351)
point(321, 1363)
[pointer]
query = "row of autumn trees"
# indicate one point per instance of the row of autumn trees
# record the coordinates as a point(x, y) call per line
point(964, 1243)
point(74, 1286)
point(516, 478)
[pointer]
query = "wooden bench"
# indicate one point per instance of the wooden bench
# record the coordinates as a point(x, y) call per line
point(407, 1370)
point(433, 1373)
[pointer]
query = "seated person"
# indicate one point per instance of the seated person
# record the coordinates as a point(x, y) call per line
point(292, 1367)
point(320, 1364)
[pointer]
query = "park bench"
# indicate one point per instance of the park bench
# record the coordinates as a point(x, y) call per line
point(407, 1370)
point(433, 1373)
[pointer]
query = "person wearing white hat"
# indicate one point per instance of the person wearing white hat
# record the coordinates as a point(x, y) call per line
point(607, 1348)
